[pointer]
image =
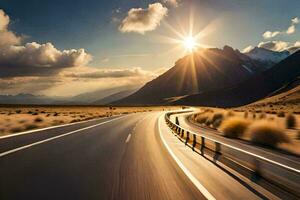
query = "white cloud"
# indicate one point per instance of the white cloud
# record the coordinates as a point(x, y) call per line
point(269, 34)
point(171, 2)
point(7, 37)
point(142, 20)
point(33, 58)
point(274, 45)
point(108, 73)
point(247, 49)
point(291, 30)
point(295, 20)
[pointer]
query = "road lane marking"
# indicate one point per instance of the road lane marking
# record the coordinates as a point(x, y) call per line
point(128, 138)
point(194, 180)
point(56, 137)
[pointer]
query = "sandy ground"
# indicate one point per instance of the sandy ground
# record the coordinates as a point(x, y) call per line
point(14, 119)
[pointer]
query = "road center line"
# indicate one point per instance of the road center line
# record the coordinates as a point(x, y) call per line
point(194, 180)
point(128, 138)
point(56, 137)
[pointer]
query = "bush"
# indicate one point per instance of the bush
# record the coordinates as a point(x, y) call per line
point(30, 126)
point(15, 130)
point(230, 114)
point(290, 121)
point(266, 133)
point(298, 135)
point(201, 118)
point(38, 119)
point(281, 114)
point(262, 116)
point(234, 127)
point(217, 119)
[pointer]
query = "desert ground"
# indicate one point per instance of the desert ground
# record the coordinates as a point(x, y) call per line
point(19, 118)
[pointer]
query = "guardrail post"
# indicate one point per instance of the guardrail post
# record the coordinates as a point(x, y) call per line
point(256, 171)
point(202, 145)
point(182, 133)
point(194, 141)
point(187, 137)
point(177, 121)
point(217, 151)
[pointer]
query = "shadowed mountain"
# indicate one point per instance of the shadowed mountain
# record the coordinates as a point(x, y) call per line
point(267, 58)
point(114, 97)
point(203, 71)
point(257, 87)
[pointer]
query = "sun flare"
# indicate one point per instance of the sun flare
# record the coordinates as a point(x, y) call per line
point(189, 43)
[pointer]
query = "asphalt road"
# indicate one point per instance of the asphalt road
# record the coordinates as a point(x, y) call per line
point(114, 158)
point(133, 156)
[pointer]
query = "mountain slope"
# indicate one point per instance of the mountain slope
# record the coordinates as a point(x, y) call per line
point(253, 89)
point(266, 57)
point(203, 71)
point(114, 97)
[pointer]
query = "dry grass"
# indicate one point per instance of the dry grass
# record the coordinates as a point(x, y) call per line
point(266, 133)
point(16, 118)
point(234, 127)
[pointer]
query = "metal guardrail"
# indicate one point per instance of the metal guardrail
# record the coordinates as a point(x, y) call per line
point(283, 176)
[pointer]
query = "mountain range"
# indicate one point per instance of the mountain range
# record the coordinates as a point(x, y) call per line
point(207, 71)
point(212, 77)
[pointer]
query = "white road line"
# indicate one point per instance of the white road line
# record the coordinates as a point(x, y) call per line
point(194, 180)
point(56, 137)
point(128, 138)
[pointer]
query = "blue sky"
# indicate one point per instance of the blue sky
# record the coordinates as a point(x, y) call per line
point(94, 26)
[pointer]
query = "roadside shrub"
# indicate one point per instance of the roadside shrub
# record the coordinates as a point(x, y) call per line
point(217, 119)
point(298, 135)
point(281, 114)
point(30, 126)
point(262, 116)
point(55, 114)
point(15, 129)
point(230, 114)
point(266, 133)
point(290, 121)
point(201, 118)
point(234, 127)
point(38, 119)
point(18, 111)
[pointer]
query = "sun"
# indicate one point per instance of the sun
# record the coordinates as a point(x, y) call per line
point(189, 43)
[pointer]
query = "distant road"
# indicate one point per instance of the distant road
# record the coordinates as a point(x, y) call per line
point(124, 157)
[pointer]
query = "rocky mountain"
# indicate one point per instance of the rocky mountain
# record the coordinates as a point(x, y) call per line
point(267, 58)
point(202, 71)
point(259, 86)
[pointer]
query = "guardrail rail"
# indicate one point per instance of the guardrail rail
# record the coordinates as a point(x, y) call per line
point(281, 175)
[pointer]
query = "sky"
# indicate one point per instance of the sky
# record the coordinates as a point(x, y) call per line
point(50, 46)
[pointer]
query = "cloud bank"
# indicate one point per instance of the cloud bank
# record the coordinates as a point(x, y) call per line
point(33, 58)
point(276, 46)
point(141, 20)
